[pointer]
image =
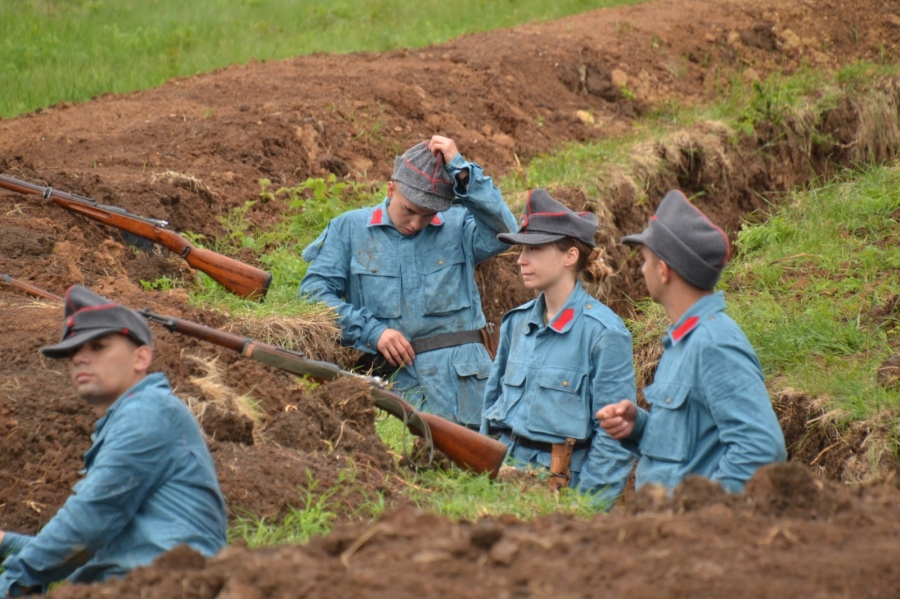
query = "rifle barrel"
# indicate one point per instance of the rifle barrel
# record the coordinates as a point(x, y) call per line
point(30, 289)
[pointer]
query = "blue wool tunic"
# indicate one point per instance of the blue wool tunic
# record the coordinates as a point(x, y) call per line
point(149, 484)
point(710, 413)
point(421, 285)
point(549, 380)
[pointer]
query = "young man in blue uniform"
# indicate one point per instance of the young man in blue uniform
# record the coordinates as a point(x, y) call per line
point(149, 481)
point(710, 412)
point(561, 357)
point(401, 276)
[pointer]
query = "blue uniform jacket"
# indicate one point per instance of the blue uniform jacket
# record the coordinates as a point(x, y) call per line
point(150, 484)
point(548, 381)
point(710, 412)
point(421, 285)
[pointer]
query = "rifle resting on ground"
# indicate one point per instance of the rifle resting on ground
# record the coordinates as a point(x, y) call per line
point(239, 278)
point(464, 447)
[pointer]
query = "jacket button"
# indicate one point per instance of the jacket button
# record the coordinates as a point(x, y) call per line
point(374, 270)
point(589, 306)
point(668, 400)
point(565, 383)
point(440, 262)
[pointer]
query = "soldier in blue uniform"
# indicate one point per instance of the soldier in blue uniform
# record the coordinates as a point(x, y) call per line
point(710, 412)
point(561, 358)
point(149, 481)
point(401, 276)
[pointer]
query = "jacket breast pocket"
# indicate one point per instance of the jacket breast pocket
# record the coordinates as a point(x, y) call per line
point(559, 407)
point(512, 384)
point(377, 279)
point(668, 435)
point(444, 282)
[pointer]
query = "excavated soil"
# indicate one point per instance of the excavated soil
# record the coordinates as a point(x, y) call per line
point(194, 148)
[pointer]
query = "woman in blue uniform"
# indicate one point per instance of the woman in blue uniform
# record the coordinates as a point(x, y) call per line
point(561, 358)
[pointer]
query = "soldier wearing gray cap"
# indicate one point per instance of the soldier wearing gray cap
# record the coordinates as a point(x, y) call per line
point(710, 413)
point(401, 277)
point(561, 357)
point(149, 481)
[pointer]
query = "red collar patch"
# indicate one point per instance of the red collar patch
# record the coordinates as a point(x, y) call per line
point(437, 220)
point(376, 217)
point(563, 319)
point(686, 327)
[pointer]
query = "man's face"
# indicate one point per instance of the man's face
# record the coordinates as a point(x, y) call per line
point(104, 368)
point(408, 218)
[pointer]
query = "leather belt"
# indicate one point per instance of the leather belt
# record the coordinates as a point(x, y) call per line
point(446, 340)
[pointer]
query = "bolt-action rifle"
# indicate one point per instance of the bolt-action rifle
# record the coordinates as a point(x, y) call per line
point(464, 447)
point(239, 278)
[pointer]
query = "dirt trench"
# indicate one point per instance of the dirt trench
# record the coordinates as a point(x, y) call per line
point(197, 147)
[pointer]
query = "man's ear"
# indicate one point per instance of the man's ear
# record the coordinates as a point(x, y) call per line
point(390, 190)
point(665, 274)
point(143, 355)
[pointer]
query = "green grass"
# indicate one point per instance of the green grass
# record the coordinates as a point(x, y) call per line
point(811, 283)
point(591, 167)
point(305, 209)
point(316, 517)
point(72, 50)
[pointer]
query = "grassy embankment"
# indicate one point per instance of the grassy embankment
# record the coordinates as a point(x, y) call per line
point(55, 51)
point(805, 289)
point(812, 286)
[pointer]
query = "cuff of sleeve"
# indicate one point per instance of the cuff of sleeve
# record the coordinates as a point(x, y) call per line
point(639, 425)
point(369, 343)
point(12, 543)
point(459, 163)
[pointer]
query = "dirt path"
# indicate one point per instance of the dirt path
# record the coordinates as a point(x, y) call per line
point(505, 96)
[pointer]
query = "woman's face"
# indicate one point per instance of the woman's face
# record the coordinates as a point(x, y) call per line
point(541, 265)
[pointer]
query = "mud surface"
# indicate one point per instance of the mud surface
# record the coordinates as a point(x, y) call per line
point(195, 148)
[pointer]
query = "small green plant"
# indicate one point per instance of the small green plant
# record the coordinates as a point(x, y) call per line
point(161, 284)
point(315, 517)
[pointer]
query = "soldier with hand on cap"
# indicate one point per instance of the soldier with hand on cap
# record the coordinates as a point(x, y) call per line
point(401, 276)
point(710, 411)
point(149, 481)
point(561, 358)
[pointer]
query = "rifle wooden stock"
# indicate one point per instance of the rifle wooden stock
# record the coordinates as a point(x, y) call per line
point(30, 289)
point(239, 278)
point(463, 446)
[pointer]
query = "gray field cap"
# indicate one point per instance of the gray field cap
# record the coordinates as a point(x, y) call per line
point(89, 316)
point(685, 239)
point(547, 220)
point(423, 178)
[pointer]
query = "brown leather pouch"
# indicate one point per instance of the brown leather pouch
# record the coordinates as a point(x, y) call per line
point(560, 459)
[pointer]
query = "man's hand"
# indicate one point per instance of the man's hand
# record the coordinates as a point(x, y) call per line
point(618, 419)
point(395, 348)
point(445, 146)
